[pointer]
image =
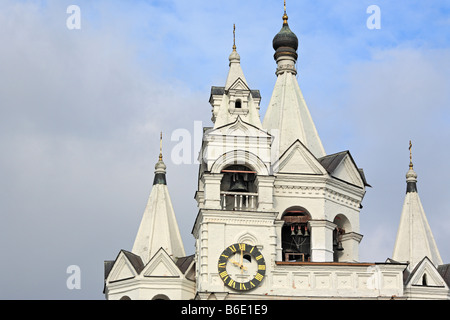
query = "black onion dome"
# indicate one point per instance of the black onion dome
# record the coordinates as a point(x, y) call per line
point(285, 42)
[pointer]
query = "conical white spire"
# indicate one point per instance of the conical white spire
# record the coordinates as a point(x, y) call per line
point(159, 227)
point(236, 99)
point(235, 72)
point(414, 237)
point(287, 116)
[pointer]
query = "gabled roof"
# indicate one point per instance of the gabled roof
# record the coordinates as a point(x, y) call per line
point(126, 265)
point(161, 265)
point(219, 91)
point(136, 262)
point(330, 162)
point(298, 159)
point(183, 263)
point(333, 162)
point(444, 271)
point(425, 266)
point(238, 124)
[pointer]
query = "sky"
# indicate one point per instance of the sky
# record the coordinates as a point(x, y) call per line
point(83, 102)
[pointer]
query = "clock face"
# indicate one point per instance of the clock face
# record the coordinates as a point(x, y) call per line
point(242, 267)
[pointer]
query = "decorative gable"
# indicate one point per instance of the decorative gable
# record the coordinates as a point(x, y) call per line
point(161, 265)
point(298, 159)
point(239, 85)
point(425, 274)
point(239, 128)
point(342, 166)
point(126, 266)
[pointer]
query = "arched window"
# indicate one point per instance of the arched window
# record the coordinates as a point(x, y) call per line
point(424, 280)
point(238, 104)
point(160, 297)
point(238, 189)
point(342, 226)
point(295, 234)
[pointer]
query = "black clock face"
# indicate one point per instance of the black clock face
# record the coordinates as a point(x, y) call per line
point(242, 267)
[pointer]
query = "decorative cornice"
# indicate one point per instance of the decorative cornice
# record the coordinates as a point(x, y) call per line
point(315, 191)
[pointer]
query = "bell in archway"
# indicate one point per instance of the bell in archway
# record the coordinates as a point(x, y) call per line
point(237, 183)
point(306, 232)
point(339, 246)
point(292, 231)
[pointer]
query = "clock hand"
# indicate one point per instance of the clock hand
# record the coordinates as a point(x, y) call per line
point(238, 264)
point(242, 262)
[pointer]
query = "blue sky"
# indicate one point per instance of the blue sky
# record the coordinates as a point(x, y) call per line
point(81, 111)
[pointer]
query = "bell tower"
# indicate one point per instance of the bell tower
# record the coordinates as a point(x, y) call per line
point(234, 195)
point(278, 217)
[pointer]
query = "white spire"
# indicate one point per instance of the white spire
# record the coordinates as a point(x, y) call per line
point(236, 99)
point(159, 227)
point(235, 71)
point(287, 116)
point(414, 237)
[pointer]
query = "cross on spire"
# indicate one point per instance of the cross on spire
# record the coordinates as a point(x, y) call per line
point(160, 146)
point(234, 37)
point(410, 155)
point(285, 17)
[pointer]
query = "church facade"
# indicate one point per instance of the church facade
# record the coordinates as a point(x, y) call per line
point(278, 217)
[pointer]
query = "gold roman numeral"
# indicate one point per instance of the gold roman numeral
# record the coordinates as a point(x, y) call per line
point(261, 267)
point(259, 277)
point(259, 257)
point(222, 265)
point(242, 286)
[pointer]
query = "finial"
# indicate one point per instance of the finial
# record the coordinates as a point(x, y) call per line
point(160, 147)
point(410, 156)
point(234, 37)
point(285, 17)
point(411, 176)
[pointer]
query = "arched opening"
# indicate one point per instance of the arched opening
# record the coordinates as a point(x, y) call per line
point(295, 235)
point(424, 280)
point(238, 189)
point(160, 297)
point(342, 226)
point(125, 298)
point(238, 104)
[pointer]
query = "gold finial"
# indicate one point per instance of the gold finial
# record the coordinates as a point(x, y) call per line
point(160, 147)
point(285, 17)
point(410, 156)
point(234, 37)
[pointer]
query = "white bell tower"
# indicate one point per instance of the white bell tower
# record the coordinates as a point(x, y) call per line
point(276, 213)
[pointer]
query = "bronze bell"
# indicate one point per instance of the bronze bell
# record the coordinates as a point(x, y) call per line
point(292, 231)
point(339, 246)
point(237, 183)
